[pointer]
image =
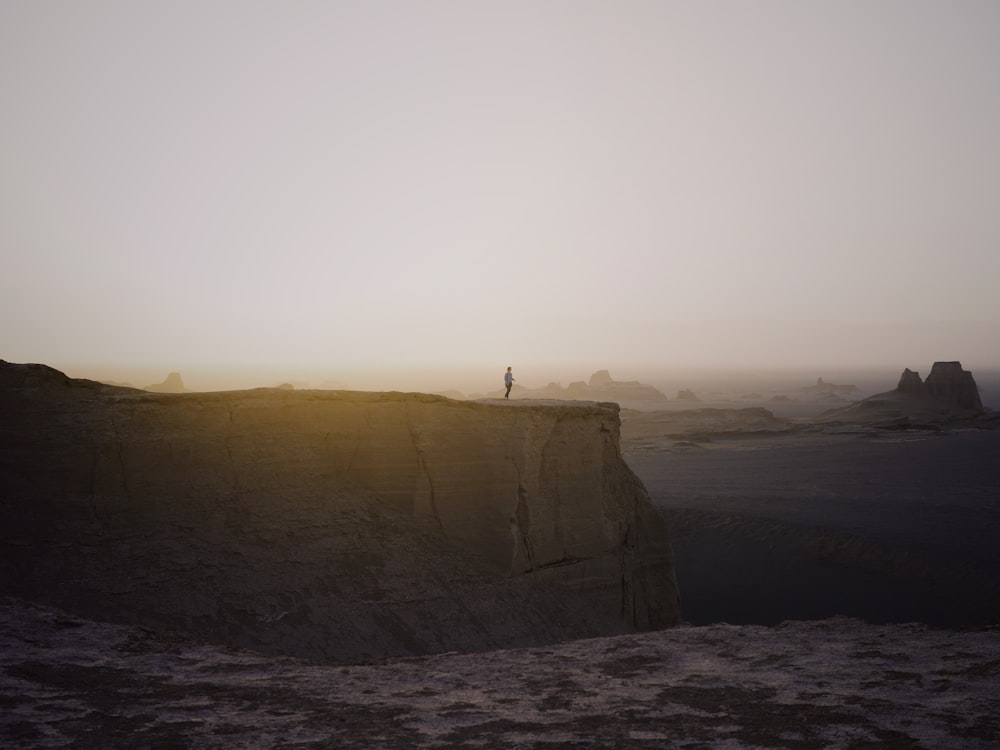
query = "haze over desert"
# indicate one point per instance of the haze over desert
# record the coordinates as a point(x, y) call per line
point(264, 266)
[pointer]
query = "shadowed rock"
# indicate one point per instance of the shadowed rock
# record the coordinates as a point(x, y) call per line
point(949, 394)
point(910, 383)
point(951, 384)
point(330, 524)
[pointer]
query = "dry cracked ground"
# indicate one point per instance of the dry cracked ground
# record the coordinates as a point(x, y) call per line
point(72, 683)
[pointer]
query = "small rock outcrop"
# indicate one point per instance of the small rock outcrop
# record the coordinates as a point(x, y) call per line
point(327, 524)
point(172, 384)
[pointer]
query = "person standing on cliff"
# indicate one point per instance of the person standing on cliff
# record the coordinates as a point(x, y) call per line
point(508, 381)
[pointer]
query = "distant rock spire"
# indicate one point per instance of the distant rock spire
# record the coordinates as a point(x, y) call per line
point(910, 382)
point(949, 382)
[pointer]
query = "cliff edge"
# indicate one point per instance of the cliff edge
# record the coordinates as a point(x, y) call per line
point(327, 524)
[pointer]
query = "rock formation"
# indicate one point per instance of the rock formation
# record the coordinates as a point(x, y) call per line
point(337, 525)
point(949, 383)
point(949, 393)
point(172, 384)
point(911, 384)
point(601, 379)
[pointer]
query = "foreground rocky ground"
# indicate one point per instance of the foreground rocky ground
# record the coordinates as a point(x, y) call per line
point(66, 682)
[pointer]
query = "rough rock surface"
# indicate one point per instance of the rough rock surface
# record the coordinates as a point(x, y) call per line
point(70, 683)
point(337, 525)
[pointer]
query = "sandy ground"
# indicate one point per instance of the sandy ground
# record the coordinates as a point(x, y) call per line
point(71, 683)
point(889, 526)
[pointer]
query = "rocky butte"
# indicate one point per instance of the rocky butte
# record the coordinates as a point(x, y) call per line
point(949, 394)
point(327, 524)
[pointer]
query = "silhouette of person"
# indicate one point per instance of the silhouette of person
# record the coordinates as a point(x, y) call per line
point(508, 381)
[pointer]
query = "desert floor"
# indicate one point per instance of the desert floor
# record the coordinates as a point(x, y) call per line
point(887, 526)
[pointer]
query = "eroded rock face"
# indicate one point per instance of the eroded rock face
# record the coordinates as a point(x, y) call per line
point(949, 382)
point(328, 524)
point(910, 383)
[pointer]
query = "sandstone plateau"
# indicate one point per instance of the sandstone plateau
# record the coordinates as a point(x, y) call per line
point(327, 524)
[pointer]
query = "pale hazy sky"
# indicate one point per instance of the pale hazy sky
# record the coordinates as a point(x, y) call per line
point(480, 184)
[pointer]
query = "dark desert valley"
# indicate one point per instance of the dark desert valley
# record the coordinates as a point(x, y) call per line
point(299, 567)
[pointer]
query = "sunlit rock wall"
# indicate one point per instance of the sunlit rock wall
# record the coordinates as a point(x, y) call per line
point(337, 524)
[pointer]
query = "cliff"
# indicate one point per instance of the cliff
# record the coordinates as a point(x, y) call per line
point(329, 524)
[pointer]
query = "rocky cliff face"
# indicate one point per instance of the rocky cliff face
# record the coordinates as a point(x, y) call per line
point(911, 384)
point(948, 385)
point(338, 525)
point(948, 382)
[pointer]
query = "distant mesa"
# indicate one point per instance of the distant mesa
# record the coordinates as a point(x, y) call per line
point(686, 394)
point(951, 384)
point(601, 379)
point(173, 384)
point(949, 393)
